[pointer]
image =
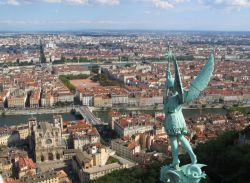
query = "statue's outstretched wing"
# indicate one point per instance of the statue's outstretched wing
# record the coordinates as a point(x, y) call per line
point(201, 81)
point(177, 82)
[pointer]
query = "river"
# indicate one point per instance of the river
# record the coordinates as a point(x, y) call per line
point(8, 120)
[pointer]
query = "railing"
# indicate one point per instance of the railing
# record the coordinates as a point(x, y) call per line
point(88, 115)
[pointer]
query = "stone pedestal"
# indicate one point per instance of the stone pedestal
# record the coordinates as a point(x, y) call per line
point(190, 173)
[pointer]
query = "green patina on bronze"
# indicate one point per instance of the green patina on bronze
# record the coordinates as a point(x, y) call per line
point(175, 125)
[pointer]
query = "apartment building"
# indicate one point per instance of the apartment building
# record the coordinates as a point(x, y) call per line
point(125, 148)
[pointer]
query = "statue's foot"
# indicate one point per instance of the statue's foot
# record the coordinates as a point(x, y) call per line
point(175, 165)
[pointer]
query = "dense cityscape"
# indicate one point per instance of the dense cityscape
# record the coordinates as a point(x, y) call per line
point(124, 74)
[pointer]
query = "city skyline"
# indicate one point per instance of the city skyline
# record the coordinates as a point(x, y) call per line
point(65, 15)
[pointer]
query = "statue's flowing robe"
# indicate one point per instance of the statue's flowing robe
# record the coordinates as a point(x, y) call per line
point(174, 120)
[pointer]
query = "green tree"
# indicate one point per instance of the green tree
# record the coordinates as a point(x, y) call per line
point(83, 60)
point(226, 162)
point(95, 69)
point(67, 83)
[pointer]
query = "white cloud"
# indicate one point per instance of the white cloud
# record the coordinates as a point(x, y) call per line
point(51, 1)
point(71, 2)
point(10, 2)
point(166, 4)
point(76, 1)
point(162, 4)
point(108, 2)
point(231, 4)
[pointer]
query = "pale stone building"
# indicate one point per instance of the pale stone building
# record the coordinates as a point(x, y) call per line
point(46, 140)
point(89, 137)
point(125, 148)
point(4, 138)
point(92, 164)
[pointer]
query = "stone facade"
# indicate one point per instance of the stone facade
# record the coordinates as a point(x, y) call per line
point(46, 140)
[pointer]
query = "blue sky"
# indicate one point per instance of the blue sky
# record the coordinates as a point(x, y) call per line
point(42, 15)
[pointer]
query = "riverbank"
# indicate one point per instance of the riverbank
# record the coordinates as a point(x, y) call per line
point(159, 108)
point(37, 111)
point(21, 117)
point(68, 109)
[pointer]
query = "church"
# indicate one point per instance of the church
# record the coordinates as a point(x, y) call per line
point(45, 139)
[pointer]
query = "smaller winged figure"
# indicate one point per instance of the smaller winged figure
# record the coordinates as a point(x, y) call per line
point(176, 96)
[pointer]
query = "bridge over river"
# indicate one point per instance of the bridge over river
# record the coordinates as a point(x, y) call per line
point(88, 115)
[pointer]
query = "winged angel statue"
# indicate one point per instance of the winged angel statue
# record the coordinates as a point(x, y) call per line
point(176, 96)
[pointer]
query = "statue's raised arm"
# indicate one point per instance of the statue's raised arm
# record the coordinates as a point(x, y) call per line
point(201, 81)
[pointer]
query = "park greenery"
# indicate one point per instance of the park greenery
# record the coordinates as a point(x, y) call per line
point(153, 59)
point(158, 59)
point(64, 60)
point(105, 81)
point(107, 135)
point(17, 63)
point(95, 69)
point(2, 112)
point(67, 83)
point(226, 161)
point(65, 79)
point(73, 60)
point(78, 76)
point(146, 174)
point(123, 58)
point(237, 108)
point(63, 104)
point(111, 160)
point(185, 58)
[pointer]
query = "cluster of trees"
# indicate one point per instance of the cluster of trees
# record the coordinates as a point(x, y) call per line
point(104, 81)
point(186, 57)
point(237, 108)
point(123, 58)
point(154, 59)
point(94, 69)
point(111, 160)
point(180, 58)
point(67, 83)
point(55, 62)
point(147, 174)
point(73, 60)
point(107, 135)
point(62, 104)
point(226, 161)
point(79, 76)
point(17, 63)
